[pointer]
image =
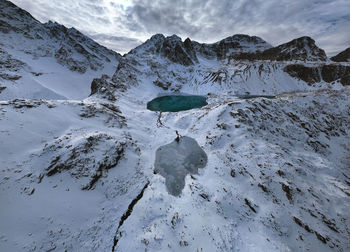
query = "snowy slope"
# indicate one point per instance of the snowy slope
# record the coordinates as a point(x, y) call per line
point(274, 179)
point(77, 173)
point(55, 62)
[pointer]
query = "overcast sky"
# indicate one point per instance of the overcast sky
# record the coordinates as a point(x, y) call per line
point(123, 24)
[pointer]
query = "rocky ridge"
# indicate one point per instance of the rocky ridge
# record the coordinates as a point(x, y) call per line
point(70, 47)
point(242, 59)
point(44, 60)
point(343, 56)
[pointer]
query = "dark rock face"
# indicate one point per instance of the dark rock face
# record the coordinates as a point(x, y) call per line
point(104, 87)
point(239, 43)
point(164, 86)
point(190, 50)
point(327, 73)
point(310, 75)
point(73, 42)
point(79, 160)
point(174, 50)
point(233, 45)
point(124, 77)
point(303, 48)
point(343, 56)
point(64, 57)
point(8, 63)
point(332, 72)
point(9, 67)
point(171, 48)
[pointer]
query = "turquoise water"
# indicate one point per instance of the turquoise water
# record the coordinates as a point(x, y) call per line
point(175, 103)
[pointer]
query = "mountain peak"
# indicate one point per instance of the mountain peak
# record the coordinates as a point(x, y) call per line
point(343, 56)
point(170, 47)
point(303, 48)
point(188, 49)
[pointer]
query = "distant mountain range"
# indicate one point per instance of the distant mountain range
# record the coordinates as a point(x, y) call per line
point(31, 51)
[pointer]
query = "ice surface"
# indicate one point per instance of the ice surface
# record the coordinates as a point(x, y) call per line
point(175, 160)
point(175, 103)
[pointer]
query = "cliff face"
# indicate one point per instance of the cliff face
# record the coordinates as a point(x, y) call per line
point(343, 56)
point(303, 49)
point(326, 72)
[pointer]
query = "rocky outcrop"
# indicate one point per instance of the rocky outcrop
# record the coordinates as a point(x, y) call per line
point(171, 48)
point(303, 49)
point(124, 77)
point(236, 44)
point(9, 66)
point(174, 49)
point(310, 75)
point(334, 72)
point(104, 87)
point(78, 52)
point(343, 56)
point(239, 43)
point(190, 49)
point(327, 72)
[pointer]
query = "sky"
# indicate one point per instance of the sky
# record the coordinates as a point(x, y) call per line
point(123, 24)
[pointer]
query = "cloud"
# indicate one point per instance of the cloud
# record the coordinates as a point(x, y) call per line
point(118, 44)
point(276, 21)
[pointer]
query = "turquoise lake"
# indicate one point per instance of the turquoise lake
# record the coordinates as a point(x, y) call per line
point(175, 103)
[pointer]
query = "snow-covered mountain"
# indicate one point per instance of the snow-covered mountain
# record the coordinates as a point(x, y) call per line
point(47, 60)
point(79, 175)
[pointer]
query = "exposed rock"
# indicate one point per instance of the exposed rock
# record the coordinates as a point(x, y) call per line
point(186, 52)
point(127, 214)
point(333, 72)
point(310, 75)
point(124, 77)
point(326, 72)
point(343, 56)
point(104, 87)
point(250, 205)
point(9, 63)
point(89, 157)
point(288, 192)
point(63, 57)
point(164, 86)
point(190, 49)
point(236, 44)
point(173, 49)
point(303, 48)
point(10, 77)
